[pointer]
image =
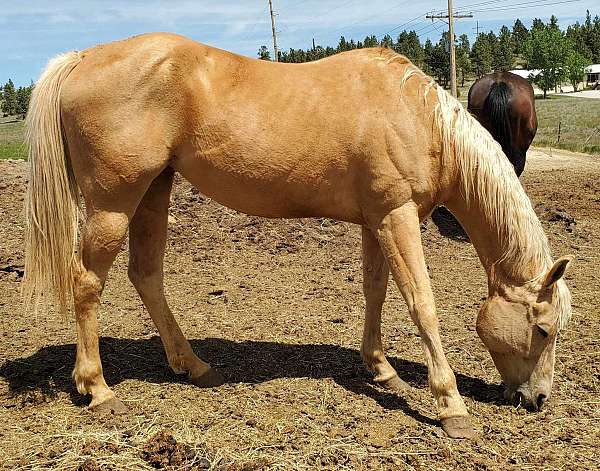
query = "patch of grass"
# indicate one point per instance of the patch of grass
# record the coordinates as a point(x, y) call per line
point(12, 132)
point(13, 151)
point(579, 120)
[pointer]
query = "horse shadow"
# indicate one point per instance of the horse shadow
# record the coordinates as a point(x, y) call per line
point(48, 371)
point(448, 225)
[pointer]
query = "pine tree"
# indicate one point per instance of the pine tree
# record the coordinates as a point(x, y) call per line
point(343, 45)
point(519, 35)
point(590, 37)
point(9, 98)
point(371, 41)
point(576, 34)
point(23, 96)
point(482, 53)
point(264, 53)
point(503, 51)
point(409, 45)
point(439, 60)
point(594, 41)
point(428, 56)
point(463, 61)
point(387, 41)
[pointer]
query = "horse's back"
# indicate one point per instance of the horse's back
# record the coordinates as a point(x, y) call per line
point(281, 140)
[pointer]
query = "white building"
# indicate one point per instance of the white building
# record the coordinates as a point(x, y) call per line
point(592, 75)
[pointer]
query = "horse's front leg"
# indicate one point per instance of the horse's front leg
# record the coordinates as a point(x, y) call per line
point(400, 239)
point(375, 281)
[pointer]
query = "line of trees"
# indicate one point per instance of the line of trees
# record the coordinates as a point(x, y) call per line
point(561, 56)
point(15, 101)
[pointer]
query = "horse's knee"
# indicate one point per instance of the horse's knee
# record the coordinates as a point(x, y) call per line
point(424, 317)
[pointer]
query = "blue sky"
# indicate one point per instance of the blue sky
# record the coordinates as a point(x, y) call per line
point(33, 31)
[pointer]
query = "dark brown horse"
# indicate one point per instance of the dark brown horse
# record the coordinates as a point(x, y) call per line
point(504, 104)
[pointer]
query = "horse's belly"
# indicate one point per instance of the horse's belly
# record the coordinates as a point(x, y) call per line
point(261, 189)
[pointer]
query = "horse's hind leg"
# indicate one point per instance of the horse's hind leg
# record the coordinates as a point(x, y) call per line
point(375, 279)
point(147, 239)
point(101, 240)
point(111, 201)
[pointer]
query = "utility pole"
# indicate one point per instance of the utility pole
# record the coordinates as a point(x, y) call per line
point(274, 32)
point(452, 52)
point(450, 17)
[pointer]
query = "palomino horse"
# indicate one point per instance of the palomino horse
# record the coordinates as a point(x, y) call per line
point(505, 104)
point(363, 137)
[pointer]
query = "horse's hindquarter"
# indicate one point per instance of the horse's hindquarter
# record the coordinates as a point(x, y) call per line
point(330, 138)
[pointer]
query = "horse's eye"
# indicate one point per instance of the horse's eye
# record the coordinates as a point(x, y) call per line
point(542, 331)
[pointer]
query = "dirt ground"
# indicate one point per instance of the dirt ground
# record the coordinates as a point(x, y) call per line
point(277, 306)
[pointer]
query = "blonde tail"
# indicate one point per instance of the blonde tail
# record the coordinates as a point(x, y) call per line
point(52, 202)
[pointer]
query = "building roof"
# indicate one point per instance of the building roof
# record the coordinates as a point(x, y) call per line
point(593, 69)
point(524, 72)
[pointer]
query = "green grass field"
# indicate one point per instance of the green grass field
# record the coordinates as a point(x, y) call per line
point(579, 120)
point(11, 139)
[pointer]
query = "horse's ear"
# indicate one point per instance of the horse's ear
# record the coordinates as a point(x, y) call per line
point(558, 270)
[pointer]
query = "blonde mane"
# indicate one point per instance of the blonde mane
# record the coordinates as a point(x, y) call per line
point(487, 177)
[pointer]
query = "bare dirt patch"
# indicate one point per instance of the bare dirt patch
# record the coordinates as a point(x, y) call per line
point(277, 307)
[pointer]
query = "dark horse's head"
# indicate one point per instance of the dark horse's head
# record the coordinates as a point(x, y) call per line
point(505, 105)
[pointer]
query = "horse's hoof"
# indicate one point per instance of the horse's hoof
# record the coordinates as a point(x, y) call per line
point(110, 406)
point(458, 427)
point(394, 384)
point(210, 379)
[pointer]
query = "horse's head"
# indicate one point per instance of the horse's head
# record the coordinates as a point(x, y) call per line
point(519, 326)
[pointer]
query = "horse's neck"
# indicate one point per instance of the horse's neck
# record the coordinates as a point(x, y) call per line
point(487, 197)
point(495, 245)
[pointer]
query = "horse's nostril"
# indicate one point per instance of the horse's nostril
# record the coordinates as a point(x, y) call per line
point(540, 400)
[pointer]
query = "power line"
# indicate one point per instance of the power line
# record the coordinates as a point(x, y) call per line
point(523, 6)
point(430, 29)
point(478, 4)
point(310, 18)
point(336, 8)
point(259, 20)
point(412, 20)
point(373, 16)
point(301, 2)
point(427, 26)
